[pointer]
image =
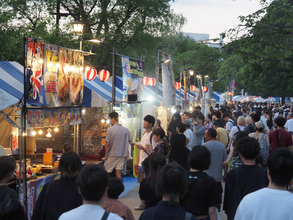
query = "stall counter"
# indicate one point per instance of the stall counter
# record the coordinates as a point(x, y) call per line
point(34, 188)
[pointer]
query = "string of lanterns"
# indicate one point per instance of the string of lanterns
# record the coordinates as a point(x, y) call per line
point(149, 81)
point(177, 85)
point(91, 73)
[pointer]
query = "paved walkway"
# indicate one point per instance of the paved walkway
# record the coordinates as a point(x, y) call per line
point(130, 196)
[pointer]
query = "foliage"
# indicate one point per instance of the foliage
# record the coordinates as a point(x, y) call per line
point(263, 51)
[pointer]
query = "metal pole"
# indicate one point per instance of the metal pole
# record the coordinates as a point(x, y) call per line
point(113, 79)
point(24, 130)
point(157, 78)
point(80, 44)
point(57, 17)
point(180, 101)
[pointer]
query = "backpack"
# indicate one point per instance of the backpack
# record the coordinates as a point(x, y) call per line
point(264, 148)
point(250, 129)
point(232, 121)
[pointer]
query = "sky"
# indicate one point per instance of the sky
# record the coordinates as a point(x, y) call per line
point(213, 16)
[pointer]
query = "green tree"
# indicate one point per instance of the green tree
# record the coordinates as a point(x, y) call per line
point(264, 50)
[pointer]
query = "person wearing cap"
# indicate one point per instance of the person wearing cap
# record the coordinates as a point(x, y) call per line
point(263, 140)
point(289, 124)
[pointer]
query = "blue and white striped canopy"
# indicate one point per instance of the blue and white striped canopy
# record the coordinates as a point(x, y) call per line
point(11, 83)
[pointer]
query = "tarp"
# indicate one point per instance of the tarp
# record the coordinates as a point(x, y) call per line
point(11, 83)
point(11, 88)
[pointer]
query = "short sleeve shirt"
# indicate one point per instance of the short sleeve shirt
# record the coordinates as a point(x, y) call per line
point(145, 141)
point(197, 137)
point(119, 138)
point(189, 135)
point(233, 131)
point(289, 125)
point(285, 139)
point(229, 125)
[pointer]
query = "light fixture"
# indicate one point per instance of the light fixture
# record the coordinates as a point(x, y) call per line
point(24, 134)
point(173, 110)
point(190, 108)
point(34, 133)
point(40, 131)
point(103, 120)
point(191, 72)
point(94, 40)
point(108, 121)
point(56, 129)
point(166, 61)
point(150, 99)
point(57, 65)
point(49, 133)
point(206, 76)
point(78, 27)
point(83, 111)
point(50, 64)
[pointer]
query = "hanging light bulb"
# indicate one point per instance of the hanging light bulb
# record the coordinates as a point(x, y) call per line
point(34, 133)
point(41, 61)
point(50, 64)
point(56, 129)
point(103, 120)
point(57, 65)
point(49, 133)
point(40, 131)
point(108, 121)
point(23, 134)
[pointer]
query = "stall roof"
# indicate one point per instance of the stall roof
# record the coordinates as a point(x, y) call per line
point(11, 83)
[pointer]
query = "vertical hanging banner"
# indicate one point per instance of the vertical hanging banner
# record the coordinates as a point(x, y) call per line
point(14, 140)
point(199, 83)
point(76, 79)
point(168, 81)
point(132, 77)
point(64, 78)
point(34, 59)
point(51, 64)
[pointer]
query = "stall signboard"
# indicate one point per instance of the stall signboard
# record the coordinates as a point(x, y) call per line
point(70, 78)
point(54, 75)
point(168, 80)
point(75, 116)
point(132, 77)
point(35, 118)
point(51, 64)
point(34, 83)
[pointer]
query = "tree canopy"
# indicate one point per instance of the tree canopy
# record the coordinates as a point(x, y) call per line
point(261, 58)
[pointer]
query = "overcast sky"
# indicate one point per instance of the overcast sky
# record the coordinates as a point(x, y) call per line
point(213, 16)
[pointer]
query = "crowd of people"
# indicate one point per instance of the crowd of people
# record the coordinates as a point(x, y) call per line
point(247, 146)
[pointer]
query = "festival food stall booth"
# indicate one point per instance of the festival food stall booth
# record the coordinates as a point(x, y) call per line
point(49, 91)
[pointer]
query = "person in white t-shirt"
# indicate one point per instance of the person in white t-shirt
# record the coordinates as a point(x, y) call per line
point(289, 124)
point(188, 134)
point(92, 185)
point(235, 129)
point(147, 144)
point(275, 201)
point(229, 121)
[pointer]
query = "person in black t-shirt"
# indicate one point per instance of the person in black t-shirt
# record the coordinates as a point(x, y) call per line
point(179, 152)
point(203, 192)
point(244, 179)
point(176, 118)
point(147, 186)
